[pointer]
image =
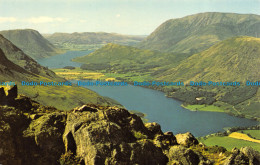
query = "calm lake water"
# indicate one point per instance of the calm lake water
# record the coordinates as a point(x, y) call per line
point(165, 111)
point(63, 60)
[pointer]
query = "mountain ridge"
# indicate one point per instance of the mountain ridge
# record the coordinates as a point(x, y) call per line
point(195, 33)
point(90, 37)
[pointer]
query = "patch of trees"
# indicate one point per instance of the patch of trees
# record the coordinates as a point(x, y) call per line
point(239, 94)
point(69, 67)
point(193, 96)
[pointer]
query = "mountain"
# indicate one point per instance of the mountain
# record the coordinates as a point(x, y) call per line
point(90, 40)
point(195, 33)
point(31, 42)
point(18, 57)
point(235, 59)
point(95, 135)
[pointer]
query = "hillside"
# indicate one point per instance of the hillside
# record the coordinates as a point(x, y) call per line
point(118, 59)
point(195, 33)
point(90, 40)
point(63, 97)
point(9, 70)
point(18, 57)
point(235, 59)
point(31, 42)
point(95, 135)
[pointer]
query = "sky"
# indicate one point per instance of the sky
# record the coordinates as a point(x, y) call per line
point(136, 17)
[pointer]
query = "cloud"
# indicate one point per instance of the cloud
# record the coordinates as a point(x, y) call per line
point(7, 19)
point(43, 19)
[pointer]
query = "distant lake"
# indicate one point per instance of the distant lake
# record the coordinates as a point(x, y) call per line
point(165, 111)
point(62, 60)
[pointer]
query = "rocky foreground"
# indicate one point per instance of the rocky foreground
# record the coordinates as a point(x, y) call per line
point(94, 135)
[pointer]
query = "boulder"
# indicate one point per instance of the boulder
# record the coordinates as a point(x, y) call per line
point(180, 155)
point(186, 139)
point(165, 141)
point(85, 108)
point(154, 128)
point(110, 136)
point(47, 132)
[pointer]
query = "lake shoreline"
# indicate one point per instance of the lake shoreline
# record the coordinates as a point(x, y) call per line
point(194, 107)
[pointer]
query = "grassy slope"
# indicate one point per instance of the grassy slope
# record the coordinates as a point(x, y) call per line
point(198, 32)
point(235, 59)
point(31, 42)
point(17, 56)
point(126, 59)
point(63, 97)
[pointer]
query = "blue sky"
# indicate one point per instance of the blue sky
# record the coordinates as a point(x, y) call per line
point(139, 17)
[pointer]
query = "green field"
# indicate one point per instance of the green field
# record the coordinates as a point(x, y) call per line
point(229, 143)
point(78, 74)
point(252, 133)
point(204, 107)
point(81, 74)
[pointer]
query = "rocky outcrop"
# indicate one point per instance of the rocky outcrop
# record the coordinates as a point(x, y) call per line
point(179, 155)
point(110, 135)
point(94, 135)
point(244, 156)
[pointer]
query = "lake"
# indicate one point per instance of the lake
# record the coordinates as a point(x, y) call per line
point(60, 61)
point(165, 111)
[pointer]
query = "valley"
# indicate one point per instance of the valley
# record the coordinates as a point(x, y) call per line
point(158, 108)
point(191, 75)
